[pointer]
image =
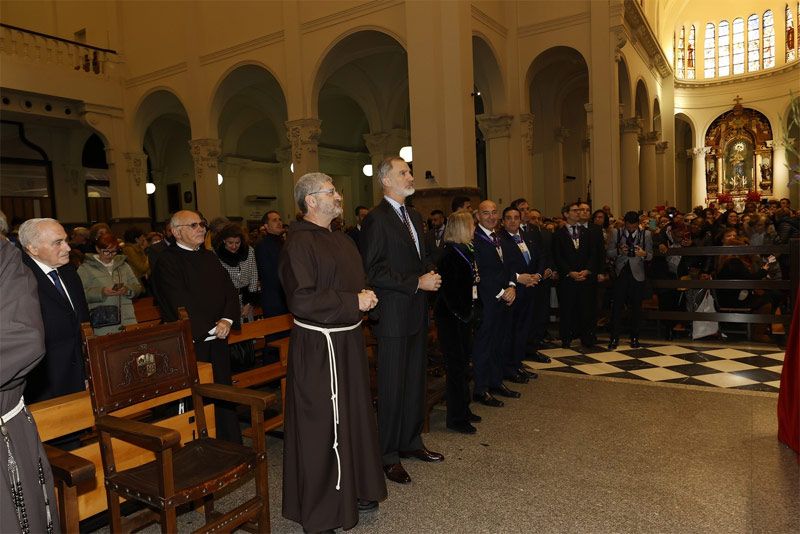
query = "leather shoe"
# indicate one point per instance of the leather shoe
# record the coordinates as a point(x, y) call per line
point(613, 343)
point(503, 391)
point(423, 454)
point(367, 506)
point(635, 343)
point(538, 357)
point(464, 427)
point(473, 418)
point(528, 374)
point(517, 378)
point(397, 473)
point(487, 399)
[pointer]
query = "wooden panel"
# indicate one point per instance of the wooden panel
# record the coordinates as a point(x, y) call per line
point(261, 328)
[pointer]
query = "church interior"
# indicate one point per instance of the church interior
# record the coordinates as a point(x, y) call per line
point(125, 111)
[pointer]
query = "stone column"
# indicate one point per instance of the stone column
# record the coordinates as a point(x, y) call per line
point(205, 153)
point(661, 174)
point(230, 190)
point(286, 204)
point(130, 193)
point(378, 146)
point(699, 186)
point(526, 165)
point(629, 129)
point(304, 134)
point(496, 131)
point(780, 172)
point(647, 170)
point(586, 155)
point(554, 196)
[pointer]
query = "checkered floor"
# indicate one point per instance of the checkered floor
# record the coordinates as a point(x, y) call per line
point(751, 369)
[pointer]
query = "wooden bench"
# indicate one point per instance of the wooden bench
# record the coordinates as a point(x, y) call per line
point(256, 331)
point(63, 416)
point(146, 311)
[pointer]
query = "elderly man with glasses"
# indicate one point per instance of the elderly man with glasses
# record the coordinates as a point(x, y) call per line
point(189, 276)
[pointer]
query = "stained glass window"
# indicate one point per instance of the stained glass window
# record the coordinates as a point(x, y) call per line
point(709, 49)
point(790, 48)
point(679, 54)
point(690, 50)
point(724, 47)
point(738, 46)
point(769, 39)
point(753, 43)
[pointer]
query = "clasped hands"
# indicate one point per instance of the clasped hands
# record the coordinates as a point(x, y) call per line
point(367, 300)
point(430, 281)
point(529, 280)
point(579, 276)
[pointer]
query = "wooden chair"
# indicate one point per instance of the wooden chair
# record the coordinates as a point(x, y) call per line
point(69, 471)
point(135, 367)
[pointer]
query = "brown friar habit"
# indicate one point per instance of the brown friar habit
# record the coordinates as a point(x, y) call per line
point(22, 348)
point(322, 275)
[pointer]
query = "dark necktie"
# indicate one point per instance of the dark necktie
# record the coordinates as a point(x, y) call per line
point(59, 286)
point(575, 232)
point(495, 239)
point(408, 226)
point(525, 252)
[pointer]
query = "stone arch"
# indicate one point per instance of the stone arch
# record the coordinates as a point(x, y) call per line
point(487, 74)
point(657, 117)
point(161, 100)
point(685, 139)
point(642, 105)
point(624, 83)
point(558, 89)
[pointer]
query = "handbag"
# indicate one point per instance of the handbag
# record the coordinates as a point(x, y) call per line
point(106, 315)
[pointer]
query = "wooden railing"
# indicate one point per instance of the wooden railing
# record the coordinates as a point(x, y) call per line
point(793, 252)
point(40, 47)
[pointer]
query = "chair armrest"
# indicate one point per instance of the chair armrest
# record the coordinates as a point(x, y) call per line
point(151, 437)
point(251, 397)
point(68, 468)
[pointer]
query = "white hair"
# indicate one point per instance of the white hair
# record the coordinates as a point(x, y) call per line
point(29, 231)
point(308, 184)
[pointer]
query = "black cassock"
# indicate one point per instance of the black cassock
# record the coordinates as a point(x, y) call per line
point(21, 349)
point(322, 274)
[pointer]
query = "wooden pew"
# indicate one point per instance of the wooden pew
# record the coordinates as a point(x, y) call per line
point(66, 415)
point(256, 331)
point(146, 311)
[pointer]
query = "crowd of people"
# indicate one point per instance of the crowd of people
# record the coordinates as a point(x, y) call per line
point(489, 278)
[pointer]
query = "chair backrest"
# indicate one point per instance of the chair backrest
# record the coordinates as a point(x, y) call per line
point(132, 367)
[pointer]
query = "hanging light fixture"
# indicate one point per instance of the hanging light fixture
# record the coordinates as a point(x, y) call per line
point(406, 154)
point(150, 188)
point(367, 170)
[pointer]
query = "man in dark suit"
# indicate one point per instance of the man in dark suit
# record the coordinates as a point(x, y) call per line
point(268, 252)
point(355, 231)
point(575, 253)
point(496, 293)
point(189, 276)
point(524, 261)
point(398, 271)
point(434, 237)
point(598, 270)
point(531, 227)
point(64, 308)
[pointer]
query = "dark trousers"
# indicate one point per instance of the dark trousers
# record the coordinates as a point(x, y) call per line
point(455, 339)
point(522, 314)
point(541, 312)
point(401, 393)
point(576, 308)
point(627, 290)
point(217, 353)
point(491, 341)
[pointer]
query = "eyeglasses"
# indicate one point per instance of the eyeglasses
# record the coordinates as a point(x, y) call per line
point(331, 191)
point(109, 251)
point(194, 225)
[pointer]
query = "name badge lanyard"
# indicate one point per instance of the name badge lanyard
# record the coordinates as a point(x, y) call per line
point(475, 275)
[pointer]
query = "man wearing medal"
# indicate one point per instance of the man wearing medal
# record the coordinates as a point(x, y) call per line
point(575, 258)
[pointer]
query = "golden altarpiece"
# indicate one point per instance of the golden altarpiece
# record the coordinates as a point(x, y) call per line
point(738, 155)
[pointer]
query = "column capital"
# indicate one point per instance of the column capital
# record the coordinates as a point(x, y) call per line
point(205, 151)
point(303, 133)
point(631, 125)
point(526, 127)
point(561, 134)
point(587, 107)
point(377, 142)
point(661, 147)
point(495, 126)
point(698, 151)
point(649, 138)
point(136, 167)
point(586, 143)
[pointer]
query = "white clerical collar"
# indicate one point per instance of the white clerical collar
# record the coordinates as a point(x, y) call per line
point(184, 247)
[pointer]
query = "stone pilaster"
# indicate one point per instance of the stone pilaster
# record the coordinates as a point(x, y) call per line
point(661, 173)
point(496, 131)
point(205, 153)
point(286, 204)
point(303, 134)
point(629, 156)
point(699, 176)
point(647, 170)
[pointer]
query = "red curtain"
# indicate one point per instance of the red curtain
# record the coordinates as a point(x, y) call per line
point(789, 396)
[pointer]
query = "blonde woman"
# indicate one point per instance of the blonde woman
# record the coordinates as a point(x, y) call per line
point(455, 313)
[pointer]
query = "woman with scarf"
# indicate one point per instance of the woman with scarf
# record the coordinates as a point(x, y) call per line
point(238, 258)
